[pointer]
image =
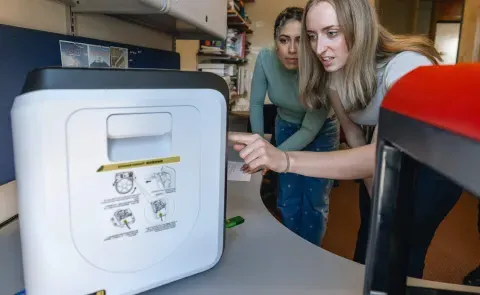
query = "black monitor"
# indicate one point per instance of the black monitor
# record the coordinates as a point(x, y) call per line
point(429, 119)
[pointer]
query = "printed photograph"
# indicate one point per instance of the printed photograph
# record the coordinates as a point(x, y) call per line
point(119, 57)
point(98, 56)
point(74, 54)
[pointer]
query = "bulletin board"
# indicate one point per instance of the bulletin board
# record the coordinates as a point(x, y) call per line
point(22, 50)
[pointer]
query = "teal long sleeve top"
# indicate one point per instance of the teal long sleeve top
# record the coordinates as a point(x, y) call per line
point(281, 84)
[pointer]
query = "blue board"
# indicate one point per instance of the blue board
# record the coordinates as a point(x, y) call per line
point(22, 50)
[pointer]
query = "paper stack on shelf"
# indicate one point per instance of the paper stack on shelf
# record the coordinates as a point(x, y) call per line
point(236, 42)
point(212, 47)
point(242, 81)
point(223, 70)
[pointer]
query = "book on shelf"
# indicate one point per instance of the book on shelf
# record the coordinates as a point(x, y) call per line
point(212, 47)
point(236, 42)
point(235, 46)
point(234, 5)
point(212, 66)
point(219, 69)
point(238, 6)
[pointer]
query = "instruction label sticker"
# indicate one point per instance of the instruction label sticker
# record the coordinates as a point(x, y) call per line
point(142, 197)
point(161, 227)
point(136, 164)
point(132, 233)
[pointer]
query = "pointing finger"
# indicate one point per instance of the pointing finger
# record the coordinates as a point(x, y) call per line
point(243, 138)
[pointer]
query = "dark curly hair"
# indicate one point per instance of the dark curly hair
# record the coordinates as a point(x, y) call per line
point(289, 13)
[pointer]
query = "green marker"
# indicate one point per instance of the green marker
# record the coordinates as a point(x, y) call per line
point(234, 221)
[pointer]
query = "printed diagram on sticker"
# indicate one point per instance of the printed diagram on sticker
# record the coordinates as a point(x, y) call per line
point(154, 187)
point(160, 208)
point(124, 183)
point(143, 200)
point(123, 218)
point(164, 180)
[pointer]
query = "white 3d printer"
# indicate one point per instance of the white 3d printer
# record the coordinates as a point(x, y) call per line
point(121, 178)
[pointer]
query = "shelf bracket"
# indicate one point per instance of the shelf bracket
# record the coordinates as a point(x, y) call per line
point(71, 21)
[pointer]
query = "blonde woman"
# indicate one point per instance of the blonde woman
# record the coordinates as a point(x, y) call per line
point(344, 49)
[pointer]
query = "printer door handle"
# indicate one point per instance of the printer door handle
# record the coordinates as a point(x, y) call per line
point(138, 125)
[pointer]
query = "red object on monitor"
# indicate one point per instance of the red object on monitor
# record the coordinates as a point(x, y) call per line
point(454, 107)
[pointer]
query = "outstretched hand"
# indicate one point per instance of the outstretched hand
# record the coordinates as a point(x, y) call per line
point(257, 152)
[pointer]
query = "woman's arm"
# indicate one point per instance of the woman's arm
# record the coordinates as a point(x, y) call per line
point(353, 133)
point(311, 125)
point(355, 163)
point(257, 96)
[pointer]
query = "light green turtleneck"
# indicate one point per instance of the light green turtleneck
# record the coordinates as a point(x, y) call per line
point(281, 84)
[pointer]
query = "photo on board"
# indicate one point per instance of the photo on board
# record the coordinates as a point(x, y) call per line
point(74, 54)
point(119, 57)
point(98, 56)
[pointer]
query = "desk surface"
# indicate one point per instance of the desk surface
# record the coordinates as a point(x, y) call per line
point(261, 257)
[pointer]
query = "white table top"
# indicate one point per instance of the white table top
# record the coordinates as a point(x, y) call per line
point(261, 257)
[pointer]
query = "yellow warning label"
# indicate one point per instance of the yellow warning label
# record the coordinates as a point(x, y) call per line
point(137, 164)
point(102, 292)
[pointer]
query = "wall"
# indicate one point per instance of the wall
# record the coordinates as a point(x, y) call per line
point(476, 45)
point(263, 14)
point(424, 15)
point(449, 10)
point(469, 38)
point(51, 16)
point(188, 54)
point(398, 16)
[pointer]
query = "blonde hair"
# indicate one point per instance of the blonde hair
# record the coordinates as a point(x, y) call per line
point(368, 43)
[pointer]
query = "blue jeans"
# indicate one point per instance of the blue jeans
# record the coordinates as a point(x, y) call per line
point(303, 201)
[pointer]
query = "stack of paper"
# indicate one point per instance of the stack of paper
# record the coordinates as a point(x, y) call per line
point(235, 172)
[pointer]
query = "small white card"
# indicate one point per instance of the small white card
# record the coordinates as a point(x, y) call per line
point(235, 172)
point(8, 200)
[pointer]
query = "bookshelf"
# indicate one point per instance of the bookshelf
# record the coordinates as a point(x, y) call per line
point(229, 58)
point(236, 20)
